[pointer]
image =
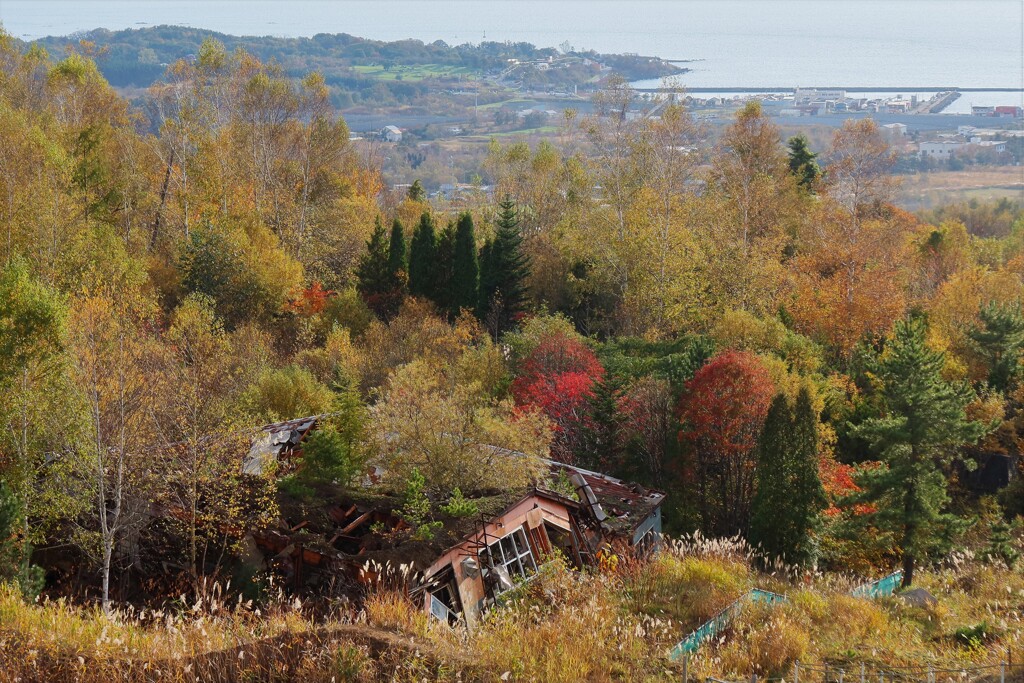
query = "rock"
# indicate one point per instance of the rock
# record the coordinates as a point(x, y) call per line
point(919, 597)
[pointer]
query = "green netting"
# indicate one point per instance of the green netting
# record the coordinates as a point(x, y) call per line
point(718, 622)
point(885, 586)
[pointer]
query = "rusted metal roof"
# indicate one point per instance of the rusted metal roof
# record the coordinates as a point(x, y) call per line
point(276, 442)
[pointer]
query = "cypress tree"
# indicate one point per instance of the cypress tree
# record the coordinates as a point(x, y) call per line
point(767, 530)
point(503, 280)
point(466, 268)
point(808, 494)
point(788, 494)
point(372, 272)
point(398, 264)
point(923, 426)
point(444, 271)
point(423, 258)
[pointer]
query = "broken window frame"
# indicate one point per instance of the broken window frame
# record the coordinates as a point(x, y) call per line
point(513, 561)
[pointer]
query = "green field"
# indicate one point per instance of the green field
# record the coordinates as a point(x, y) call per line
point(543, 130)
point(416, 72)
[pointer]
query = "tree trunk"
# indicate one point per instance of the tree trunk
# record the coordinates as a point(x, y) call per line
point(108, 551)
point(908, 569)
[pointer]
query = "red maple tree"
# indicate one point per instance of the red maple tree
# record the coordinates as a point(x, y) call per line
point(558, 378)
point(722, 414)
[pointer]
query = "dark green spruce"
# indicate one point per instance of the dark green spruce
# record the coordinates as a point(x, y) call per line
point(503, 277)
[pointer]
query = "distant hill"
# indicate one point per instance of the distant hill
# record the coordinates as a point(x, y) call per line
point(138, 57)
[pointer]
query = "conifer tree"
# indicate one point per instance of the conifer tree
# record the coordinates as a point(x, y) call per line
point(444, 270)
point(416, 192)
point(789, 494)
point(771, 482)
point(373, 272)
point(503, 280)
point(398, 263)
point(466, 268)
point(803, 162)
point(423, 258)
point(603, 444)
point(1000, 339)
point(923, 426)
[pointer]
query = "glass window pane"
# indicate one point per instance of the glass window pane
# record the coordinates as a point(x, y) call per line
point(508, 548)
point(521, 544)
point(496, 557)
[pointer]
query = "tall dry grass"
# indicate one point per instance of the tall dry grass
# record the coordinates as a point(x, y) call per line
point(563, 625)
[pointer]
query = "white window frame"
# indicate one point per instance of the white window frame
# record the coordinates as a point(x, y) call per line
point(506, 552)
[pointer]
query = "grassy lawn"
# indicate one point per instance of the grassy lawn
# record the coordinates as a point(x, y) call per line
point(543, 130)
point(416, 72)
point(498, 105)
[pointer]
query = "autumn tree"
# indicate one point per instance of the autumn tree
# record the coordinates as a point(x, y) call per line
point(32, 379)
point(195, 445)
point(923, 426)
point(851, 268)
point(455, 434)
point(110, 347)
point(722, 415)
point(650, 427)
point(749, 209)
point(558, 378)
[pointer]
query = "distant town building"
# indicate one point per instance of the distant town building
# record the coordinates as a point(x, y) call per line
point(1015, 112)
point(896, 128)
point(391, 134)
point(811, 94)
point(940, 149)
point(998, 146)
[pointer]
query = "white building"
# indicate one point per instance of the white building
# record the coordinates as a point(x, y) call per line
point(391, 134)
point(896, 128)
point(941, 149)
point(809, 94)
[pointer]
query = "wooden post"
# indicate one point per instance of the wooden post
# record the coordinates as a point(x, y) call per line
point(686, 668)
point(862, 679)
point(796, 671)
point(841, 674)
point(753, 678)
point(1002, 672)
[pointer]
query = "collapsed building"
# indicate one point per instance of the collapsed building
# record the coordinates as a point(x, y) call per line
point(342, 538)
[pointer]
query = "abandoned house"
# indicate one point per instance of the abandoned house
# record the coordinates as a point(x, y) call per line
point(334, 536)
